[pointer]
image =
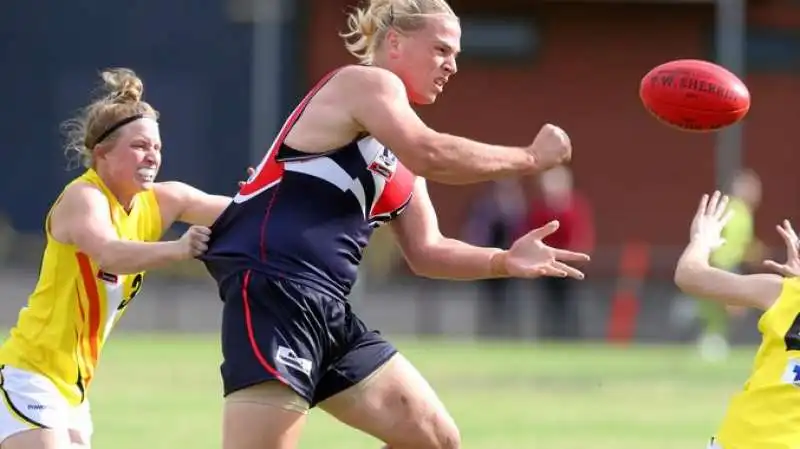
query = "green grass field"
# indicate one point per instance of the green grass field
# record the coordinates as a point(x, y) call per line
point(163, 392)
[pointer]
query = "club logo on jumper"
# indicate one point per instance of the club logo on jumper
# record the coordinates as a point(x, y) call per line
point(385, 164)
point(287, 357)
point(792, 373)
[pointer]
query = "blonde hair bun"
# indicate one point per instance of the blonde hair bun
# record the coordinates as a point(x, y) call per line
point(120, 98)
point(122, 85)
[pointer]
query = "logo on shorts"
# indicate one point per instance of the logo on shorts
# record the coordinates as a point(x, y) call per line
point(792, 373)
point(288, 358)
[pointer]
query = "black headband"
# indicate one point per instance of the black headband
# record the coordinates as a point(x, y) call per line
point(115, 127)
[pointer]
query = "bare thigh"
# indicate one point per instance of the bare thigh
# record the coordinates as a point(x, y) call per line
point(265, 416)
point(397, 406)
point(42, 439)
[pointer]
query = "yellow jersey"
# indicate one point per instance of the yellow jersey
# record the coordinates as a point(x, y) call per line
point(766, 414)
point(74, 306)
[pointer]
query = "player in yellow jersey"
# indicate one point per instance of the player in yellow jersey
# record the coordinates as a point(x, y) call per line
point(766, 413)
point(103, 232)
point(745, 196)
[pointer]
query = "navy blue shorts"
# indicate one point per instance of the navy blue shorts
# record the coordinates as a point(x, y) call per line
point(276, 329)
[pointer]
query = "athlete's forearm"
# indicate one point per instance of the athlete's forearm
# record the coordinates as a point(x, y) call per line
point(696, 255)
point(693, 267)
point(457, 160)
point(456, 260)
point(696, 277)
point(125, 257)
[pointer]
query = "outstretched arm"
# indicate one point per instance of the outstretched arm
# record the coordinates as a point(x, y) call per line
point(695, 276)
point(181, 202)
point(430, 254)
point(378, 102)
point(82, 218)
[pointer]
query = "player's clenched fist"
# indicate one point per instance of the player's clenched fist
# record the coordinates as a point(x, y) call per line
point(195, 241)
point(551, 147)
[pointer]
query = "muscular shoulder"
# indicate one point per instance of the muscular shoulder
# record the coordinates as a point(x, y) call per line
point(79, 201)
point(368, 79)
point(80, 196)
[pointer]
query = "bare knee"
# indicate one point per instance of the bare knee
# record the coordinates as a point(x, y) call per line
point(424, 422)
point(397, 406)
point(425, 429)
point(451, 439)
point(430, 436)
point(438, 432)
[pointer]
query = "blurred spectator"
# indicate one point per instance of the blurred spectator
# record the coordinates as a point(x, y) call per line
point(492, 222)
point(745, 196)
point(558, 316)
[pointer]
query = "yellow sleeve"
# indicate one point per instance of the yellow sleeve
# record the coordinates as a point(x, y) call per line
point(738, 235)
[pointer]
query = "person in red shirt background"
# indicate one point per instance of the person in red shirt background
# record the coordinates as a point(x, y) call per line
point(558, 311)
point(493, 221)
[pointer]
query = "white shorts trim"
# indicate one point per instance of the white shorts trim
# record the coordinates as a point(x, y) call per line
point(31, 401)
point(713, 444)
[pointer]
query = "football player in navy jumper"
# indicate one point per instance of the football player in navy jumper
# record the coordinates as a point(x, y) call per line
point(352, 156)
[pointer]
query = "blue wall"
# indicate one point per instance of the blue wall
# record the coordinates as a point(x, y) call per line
point(195, 64)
